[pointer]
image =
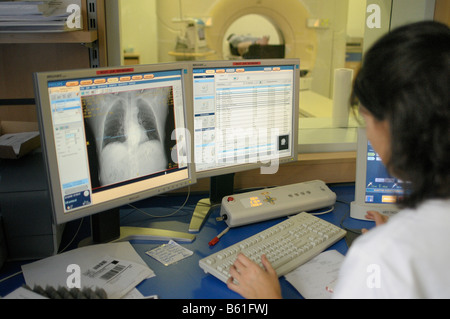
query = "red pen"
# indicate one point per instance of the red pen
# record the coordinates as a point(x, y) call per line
point(215, 240)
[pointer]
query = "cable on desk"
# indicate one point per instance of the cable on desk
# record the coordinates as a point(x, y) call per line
point(59, 252)
point(73, 238)
point(171, 214)
point(352, 230)
point(324, 212)
point(10, 276)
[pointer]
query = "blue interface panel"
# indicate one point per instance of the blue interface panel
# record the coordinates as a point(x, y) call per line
point(381, 187)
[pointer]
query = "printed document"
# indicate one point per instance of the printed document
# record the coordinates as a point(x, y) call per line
point(115, 267)
point(317, 278)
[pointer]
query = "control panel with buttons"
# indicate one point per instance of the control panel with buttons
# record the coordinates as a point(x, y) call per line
point(270, 203)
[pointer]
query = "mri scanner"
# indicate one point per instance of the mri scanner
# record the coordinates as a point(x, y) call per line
point(288, 17)
point(312, 30)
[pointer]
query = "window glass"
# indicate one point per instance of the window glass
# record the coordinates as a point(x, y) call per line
point(327, 35)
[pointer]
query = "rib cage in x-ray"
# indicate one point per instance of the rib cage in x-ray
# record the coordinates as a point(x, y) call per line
point(129, 129)
point(114, 128)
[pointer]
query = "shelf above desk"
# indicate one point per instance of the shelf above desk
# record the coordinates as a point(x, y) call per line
point(49, 37)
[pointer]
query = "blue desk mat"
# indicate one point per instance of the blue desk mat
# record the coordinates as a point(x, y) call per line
point(185, 279)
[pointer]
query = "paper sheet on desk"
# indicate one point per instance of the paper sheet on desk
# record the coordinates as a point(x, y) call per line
point(317, 278)
point(169, 253)
point(53, 271)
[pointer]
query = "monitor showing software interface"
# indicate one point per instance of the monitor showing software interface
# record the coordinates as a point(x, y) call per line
point(245, 115)
point(375, 188)
point(108, 135)
point(381, 188)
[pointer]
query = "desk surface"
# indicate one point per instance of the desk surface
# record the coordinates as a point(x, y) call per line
point(185, 279)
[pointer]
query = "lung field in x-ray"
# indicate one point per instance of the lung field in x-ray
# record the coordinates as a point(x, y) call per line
point(128, 134)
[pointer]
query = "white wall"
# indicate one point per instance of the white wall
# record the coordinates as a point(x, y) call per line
point(140, 30)
point(408, 11)
point(356, 18)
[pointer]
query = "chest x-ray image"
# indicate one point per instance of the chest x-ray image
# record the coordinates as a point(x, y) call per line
point(127, 134)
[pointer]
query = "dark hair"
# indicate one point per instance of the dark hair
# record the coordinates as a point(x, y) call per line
point(405, 79)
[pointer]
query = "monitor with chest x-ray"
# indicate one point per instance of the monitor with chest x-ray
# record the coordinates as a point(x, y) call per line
point(113, 136)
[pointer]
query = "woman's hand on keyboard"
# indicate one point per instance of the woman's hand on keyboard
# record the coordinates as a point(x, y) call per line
point(253, 282)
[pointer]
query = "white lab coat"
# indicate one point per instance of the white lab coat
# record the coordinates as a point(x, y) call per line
point(408, 257)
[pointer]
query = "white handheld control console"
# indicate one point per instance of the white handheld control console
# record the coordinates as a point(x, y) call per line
point(270, 203)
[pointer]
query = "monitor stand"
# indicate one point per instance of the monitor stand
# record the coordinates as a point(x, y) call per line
point(220, 186)
point(105, 228)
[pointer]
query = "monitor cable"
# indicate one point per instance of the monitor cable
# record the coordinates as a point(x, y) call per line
point(164, 216)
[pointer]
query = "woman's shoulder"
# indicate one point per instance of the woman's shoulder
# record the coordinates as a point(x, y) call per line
point(410, 230)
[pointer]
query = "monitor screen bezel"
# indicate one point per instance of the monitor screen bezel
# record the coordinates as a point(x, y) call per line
point(217, 171)
point(41, 80)
point(359, 207)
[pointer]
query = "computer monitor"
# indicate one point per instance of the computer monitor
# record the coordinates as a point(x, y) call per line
point(112, 136)
point(245, 117)
point(375, 188)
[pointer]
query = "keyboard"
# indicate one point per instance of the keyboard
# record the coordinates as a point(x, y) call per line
point(286, 245)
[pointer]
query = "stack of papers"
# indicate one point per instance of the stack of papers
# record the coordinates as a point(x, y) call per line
point(40, 16)
point(115, 267)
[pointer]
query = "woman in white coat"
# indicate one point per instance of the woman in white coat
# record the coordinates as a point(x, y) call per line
point(402, 91)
